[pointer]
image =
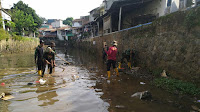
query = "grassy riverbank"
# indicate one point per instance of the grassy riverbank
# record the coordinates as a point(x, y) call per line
point(10, 43)
point(177, 86)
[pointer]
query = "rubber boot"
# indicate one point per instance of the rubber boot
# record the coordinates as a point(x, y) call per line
point(108, 72)
point(116, 70)
point(129, 65)
point(119, 65)
point(40, 72)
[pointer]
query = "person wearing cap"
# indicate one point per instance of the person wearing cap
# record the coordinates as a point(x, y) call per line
point(111, 56)
point(53, 45)
point(39, 57)
point(48, 59)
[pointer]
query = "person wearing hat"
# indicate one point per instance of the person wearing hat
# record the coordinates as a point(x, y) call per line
point(111, 56)
point(53, 45)
point(48, 59)
point(39, 57)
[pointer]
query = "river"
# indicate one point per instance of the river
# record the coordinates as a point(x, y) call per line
point(81, 86)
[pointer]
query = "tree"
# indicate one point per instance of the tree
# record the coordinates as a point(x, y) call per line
point(68, 21)
point(11, 25)
point(43, 19)
point(23, 22)
point(28, 16)
point(1, 22)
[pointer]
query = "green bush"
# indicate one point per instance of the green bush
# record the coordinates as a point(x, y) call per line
point(1, 22)
point(177, 86)
point(20, 38)
point(3, 34)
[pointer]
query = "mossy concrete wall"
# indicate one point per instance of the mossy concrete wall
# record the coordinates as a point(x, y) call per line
point(171, 42)
point(15, 46)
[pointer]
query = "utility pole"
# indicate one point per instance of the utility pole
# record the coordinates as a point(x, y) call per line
point(120, 17)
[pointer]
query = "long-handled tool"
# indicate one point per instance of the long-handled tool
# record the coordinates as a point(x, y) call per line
point(62, 59)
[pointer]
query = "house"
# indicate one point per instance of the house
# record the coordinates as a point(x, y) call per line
point(63, 32)
point(117, 15)
point(49, 21)
point(77, 23)
point(47, 26)
point(5, 16)
point(122, 14)
point(94, 14)
point(58, 24)
point(48, 35)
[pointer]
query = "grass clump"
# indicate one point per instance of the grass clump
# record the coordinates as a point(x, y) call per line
point(20, 38)
point(177, 86)
point(3, 34)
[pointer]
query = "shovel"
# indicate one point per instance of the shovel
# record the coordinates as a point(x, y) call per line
point(62, 59)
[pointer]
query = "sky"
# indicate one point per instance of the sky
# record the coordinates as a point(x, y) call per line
point(58, 9)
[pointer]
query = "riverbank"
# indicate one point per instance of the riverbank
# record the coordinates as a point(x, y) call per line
point(11, 43)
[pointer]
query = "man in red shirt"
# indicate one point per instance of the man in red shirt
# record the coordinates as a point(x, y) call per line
point(112, 53)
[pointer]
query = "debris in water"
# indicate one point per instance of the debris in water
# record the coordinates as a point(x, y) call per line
point(163, 74)
point(30, 83)
point(120, 106)
point(2, 84)
point(42, 81)
point(37, 81)
point(142, 83)
point(5, 96)
point(143, 95)
point(135, 69)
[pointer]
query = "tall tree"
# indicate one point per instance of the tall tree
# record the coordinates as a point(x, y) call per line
point(23, 22)
point(44, 20)
point(68, 21)
point(28, 12)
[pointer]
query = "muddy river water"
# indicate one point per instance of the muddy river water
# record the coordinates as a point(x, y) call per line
point(80, 87)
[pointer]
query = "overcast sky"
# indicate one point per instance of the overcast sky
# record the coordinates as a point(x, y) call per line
point(58, 9)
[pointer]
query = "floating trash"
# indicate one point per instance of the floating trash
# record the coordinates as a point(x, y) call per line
point(120, 106)
point(142, 95)
point(163, 74)
point(30, 83)
point(42, 81)
point(2, 84)
point(37, 81)
point(5, 96)
point(142, 83)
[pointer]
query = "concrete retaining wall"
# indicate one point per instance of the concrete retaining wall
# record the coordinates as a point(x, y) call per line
point(168, 43)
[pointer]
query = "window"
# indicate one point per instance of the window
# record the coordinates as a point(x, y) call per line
point(169, 2)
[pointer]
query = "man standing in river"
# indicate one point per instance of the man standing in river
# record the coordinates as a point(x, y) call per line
point(53, 45)
point(39, 57)
point(112, 53)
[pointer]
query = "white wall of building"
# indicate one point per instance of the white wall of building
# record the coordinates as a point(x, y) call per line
point(91, 17)
point(6, 16)
point(174, 6)
point(76, 24)
point(59, 35)
point(57, 24)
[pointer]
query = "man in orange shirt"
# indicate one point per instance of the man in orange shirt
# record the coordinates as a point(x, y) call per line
point(112, 53)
